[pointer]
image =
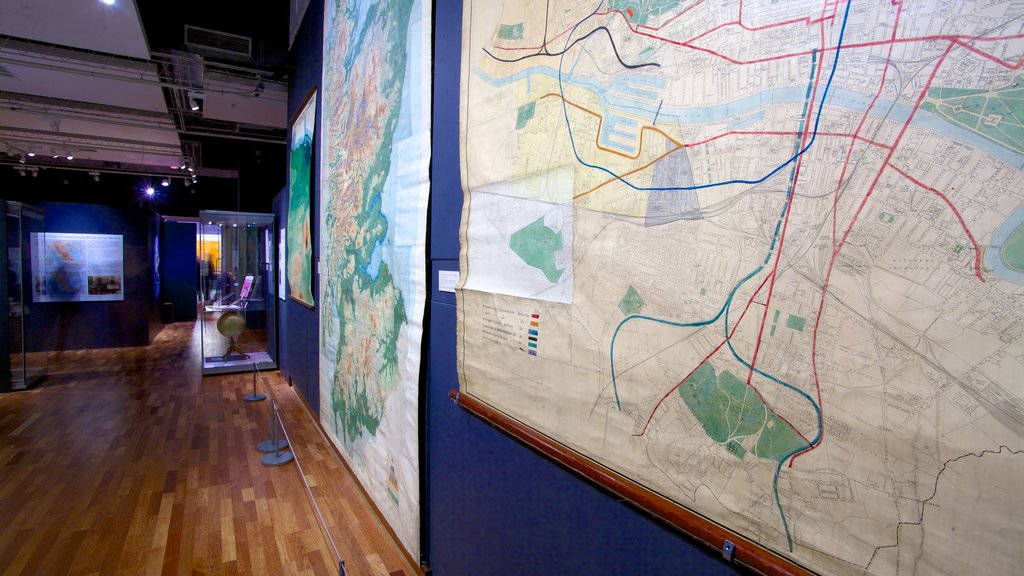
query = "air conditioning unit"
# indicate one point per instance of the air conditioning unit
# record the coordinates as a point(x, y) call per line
point(218, 44)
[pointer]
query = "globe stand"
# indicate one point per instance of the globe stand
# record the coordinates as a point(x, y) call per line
point(233, 352)
point(231, 325)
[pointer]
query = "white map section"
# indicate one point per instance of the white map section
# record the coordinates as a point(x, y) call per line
point(797, 299)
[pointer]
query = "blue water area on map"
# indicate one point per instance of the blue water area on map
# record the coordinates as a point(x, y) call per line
point(612, 137)
point(635, 85)
point(740, 109)
point(665, 206)
point(993, 256)
point(746, 120)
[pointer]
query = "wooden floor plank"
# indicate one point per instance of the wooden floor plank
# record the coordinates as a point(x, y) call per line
point(127, 461)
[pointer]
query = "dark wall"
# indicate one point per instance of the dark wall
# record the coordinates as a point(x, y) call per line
point(178, 275)
point(493, 505)
point(490, 505)
point(74, 325)
point(299, 326)
point(5, 310)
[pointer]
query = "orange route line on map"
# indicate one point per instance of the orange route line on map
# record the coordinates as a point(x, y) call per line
point(600, 122)
point(630, 173)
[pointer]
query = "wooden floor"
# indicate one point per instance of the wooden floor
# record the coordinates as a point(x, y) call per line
point(127, 461)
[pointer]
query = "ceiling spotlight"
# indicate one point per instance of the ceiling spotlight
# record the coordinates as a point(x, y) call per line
point(165, 182)
point(95, 176)
point(108, 2)
point(193, 100)
point(55, 156)
point(31, 154)
point(35, 172)
point(70, 156)
point(191, 169)
point(183, 166)
point(187, 182)
point(22, 172)
point(21, 160)
point(150, 191)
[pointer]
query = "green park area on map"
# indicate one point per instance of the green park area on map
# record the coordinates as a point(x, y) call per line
point(730, 411)
point(536, 244)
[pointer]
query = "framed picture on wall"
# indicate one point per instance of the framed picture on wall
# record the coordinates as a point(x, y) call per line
point(299, 264)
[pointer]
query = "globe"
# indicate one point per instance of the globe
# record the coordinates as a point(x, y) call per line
point(231, 325)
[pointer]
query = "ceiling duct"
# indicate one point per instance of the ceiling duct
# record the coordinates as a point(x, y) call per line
point(218, 44)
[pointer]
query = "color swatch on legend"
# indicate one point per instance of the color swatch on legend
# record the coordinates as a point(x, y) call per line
point(533, 333)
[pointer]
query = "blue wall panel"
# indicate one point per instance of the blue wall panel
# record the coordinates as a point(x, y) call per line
point(299, 326)
point(495, 506)
point(66, 325)
point(178, 279)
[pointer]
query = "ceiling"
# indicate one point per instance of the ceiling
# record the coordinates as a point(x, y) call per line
point(144, 87)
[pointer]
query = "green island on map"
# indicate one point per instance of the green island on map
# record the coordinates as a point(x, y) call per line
point(536, 244)
point(1012, 252)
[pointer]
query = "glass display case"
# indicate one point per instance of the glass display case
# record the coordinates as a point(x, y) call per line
point(236, 291)
point(28, 360)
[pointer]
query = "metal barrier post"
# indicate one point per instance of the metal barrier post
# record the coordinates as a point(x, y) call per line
point(254, 397)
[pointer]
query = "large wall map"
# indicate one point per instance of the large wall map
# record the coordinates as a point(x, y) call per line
point(764, 258)
point(374, 191)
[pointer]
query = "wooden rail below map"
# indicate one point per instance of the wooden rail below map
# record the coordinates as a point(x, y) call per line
point(745, 552)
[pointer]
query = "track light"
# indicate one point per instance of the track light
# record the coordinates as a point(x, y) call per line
point(165, 182)
point(22, 172)
point(35, 172)
point(70, 156)
point(31, 154)
point(95, 176)
point(21, 160)
point(193, 100)
point(150, 191)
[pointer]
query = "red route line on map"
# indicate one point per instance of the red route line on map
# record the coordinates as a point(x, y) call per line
point(957, 38)
point(963, 224)
point(853, 221)
point(789, 208)
point(710, 355)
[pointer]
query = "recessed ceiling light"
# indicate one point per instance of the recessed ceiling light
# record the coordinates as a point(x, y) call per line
point(150, 191)
point(108, 2)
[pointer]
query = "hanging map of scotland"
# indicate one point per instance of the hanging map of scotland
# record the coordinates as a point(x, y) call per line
point(374, 192)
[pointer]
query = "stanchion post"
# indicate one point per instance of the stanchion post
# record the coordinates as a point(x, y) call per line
point(274, 444)
point(277, 457)
point(254, 397)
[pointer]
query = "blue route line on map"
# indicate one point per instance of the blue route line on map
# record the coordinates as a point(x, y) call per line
point(572, 140)
point(775, 236)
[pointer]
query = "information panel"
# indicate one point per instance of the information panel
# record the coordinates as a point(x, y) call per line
point(69, 267)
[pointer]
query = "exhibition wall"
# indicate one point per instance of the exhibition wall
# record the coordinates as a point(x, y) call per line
point(5, 358)
point(297, 351)
point(490, 505)
point(127, 322)
point(178, 274)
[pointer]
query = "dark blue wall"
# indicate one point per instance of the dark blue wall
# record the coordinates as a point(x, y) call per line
point(493, 505)
point(5, 310)
point(298, 353)
point(71, 325)
point(490, 505)
point(178, 277)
